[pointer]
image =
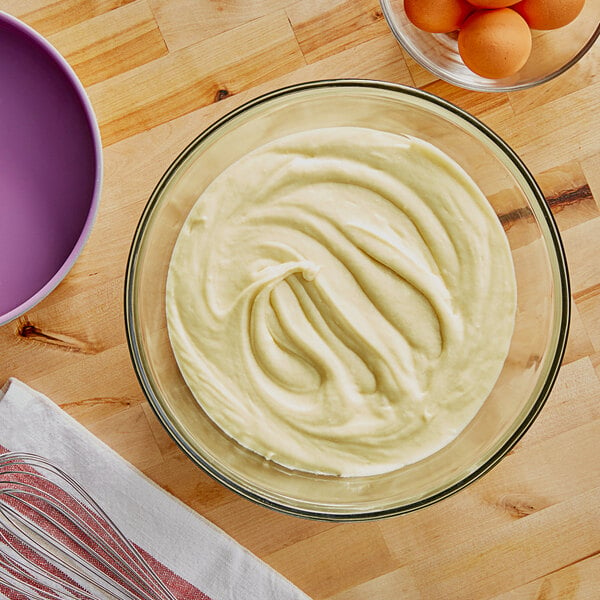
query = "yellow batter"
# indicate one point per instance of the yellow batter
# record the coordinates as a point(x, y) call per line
point(342, 300)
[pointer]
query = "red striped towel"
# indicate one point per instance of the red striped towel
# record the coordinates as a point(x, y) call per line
point(195, 559)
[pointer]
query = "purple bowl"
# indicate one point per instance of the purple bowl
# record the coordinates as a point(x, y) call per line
point(50, 167)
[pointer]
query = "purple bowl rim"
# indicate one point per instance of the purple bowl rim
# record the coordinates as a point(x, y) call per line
point(65, 67)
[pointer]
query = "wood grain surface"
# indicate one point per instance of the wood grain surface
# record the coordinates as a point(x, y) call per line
point(158, 72)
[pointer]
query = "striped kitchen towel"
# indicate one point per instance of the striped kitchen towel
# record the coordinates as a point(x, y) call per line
point(195, 559)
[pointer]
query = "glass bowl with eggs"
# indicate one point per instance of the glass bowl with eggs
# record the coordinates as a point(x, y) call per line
point(346, 300)
point(494, 45)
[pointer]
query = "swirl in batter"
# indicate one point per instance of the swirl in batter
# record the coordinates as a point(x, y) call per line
point(342, 300)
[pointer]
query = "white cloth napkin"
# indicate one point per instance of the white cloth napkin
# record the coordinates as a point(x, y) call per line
point(198, 560)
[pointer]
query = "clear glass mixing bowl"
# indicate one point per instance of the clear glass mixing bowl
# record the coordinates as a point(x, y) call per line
point(541, 323)
point(552, 53)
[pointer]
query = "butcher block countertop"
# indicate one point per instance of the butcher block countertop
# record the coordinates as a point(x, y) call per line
point(157, 73)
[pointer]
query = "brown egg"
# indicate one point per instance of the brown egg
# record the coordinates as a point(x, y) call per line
point(495, 43)
point(492, 3)
point(437, 16)
point(549, 14)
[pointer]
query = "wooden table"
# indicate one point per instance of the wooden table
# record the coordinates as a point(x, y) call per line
point(158, 72)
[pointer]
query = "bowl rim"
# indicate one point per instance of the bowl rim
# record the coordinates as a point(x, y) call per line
point(62, 65)
point(562, 283)
point(480, 87)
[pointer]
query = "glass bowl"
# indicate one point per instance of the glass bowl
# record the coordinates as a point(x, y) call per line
point(541, 323)
point(552, 53)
